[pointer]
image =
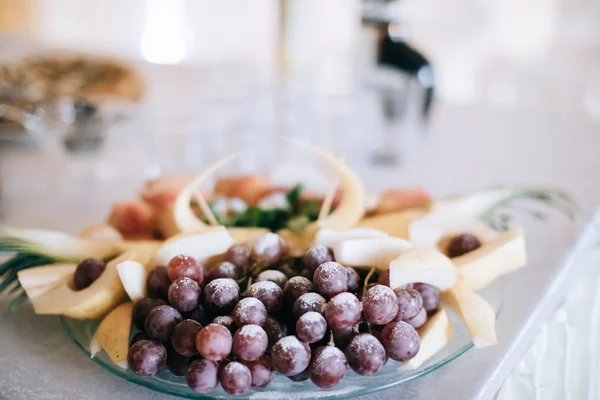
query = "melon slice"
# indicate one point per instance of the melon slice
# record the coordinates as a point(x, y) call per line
point(501, 256)
point(133, 276)
point(478, 315)
point(101, 233)
point(200, 245)
point(422, 265)
point(144, 249)
point(394, 224)
point(330, 237)
point(376, 252)
point(247, 235)
point(37, 281)
point(112, 335)
point(92, 302)
point(435, 335)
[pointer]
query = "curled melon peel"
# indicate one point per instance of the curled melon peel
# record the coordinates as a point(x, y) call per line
point(435, 335)
point(330, 237)
point(112, 334)
point(90, 303)
point(482, 266)
point(372, 252)
point(477, 314)
point(39, 280)
point(57, 245)
point(133, 276)
point(422, 265)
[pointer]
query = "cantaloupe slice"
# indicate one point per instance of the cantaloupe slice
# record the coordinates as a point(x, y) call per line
point(112, 335)
point(92, 302)
point(478, 315)
point(422, 265)
point(435, 335)
point(501, 256)
point(39, 280)
point(376, 252)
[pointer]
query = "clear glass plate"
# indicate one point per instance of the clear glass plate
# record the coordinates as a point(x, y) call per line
point(352, 385)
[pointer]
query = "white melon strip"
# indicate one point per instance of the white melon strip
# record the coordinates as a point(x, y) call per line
point(205, 208)
point(201, 246)
point(435, 335)
point(133, 276)
point(395, 224)
point(327, 202)
point(330, 237)
point(501, 256)
point(374, 252)
point(478, 315)
point(422, 265)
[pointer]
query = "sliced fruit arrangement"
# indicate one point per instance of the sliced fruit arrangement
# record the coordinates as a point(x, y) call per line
point(236, 284)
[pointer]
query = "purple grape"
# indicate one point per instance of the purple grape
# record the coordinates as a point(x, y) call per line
point(409, 303)
point(238, 255)
point(430, 296)
point(327, 367)
point(184, 294)
point(261, 370)
point(183, 338)
point(250, 342)
point(269, 249)
point(309, 302)
point(296, 287)
point(226, 269)
point(311, 327)
point(353, 279)
point(290, 356)
point(342, 311)
point(221, 296)
point(418, 320)
point(330, 278)
point(301, 377)
point(214, 342)
point(161, 321)
point(227, 321)
point(274, 276)
point(380, 305)
point(137, 337)
point(365, 354)
point(87, 272)
point(176, 363)
point(250, 311)
point(185, 266)
point(315, 256)
point(202, 375)
point(142, 308)
point(462, 244)
point(400, 340)
point(146, 357)
point(275, 330)
point(288, 269)
point(342, 337)
point(269, 293)
point(198, 315)
point(236, 378)
point(158, 283)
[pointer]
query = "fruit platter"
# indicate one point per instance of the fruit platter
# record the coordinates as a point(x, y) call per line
point(256, 290)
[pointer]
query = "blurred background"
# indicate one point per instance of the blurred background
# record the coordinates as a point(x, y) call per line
point(450, 96)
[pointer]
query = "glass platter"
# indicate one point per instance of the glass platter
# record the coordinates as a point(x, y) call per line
point(281, 387)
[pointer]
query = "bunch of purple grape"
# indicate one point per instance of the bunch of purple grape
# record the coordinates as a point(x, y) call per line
point(210, 331)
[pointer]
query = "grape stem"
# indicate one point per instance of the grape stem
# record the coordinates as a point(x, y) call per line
point(249, 283)
point(367, 278)
point(205, 208)
point(331, 339)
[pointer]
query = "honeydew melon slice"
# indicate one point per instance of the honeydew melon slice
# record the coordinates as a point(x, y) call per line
point(112, 335)
point(435, 335)
point(330, 237)
point(422, 265)
point(374, 252)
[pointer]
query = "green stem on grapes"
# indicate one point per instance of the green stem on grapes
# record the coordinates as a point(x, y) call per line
point(367, 278)
point(331, 339)
point(249, 283)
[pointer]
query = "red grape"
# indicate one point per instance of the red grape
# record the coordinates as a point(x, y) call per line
point(290, 356)
point(142, 308)
point(311, 327)
point(146, 357)
point(158, 283)
point(327, 367)
point(185, 266)
point(161, 321)
point(227, 321)
point(409, 303)
point(269, 293)
point(330, 278)
point(274, 276)
point(261, 370)
point(365, 354)
point(316, 255)
point(238, 254)
point(418, 320)
point(275, 330)
point(202, 375)
point(235, 378)
point(250, 311)
point(353, 279)
point(87, 272)
point(400, 340)
point(380, 305)
point(183, 338)
point(184, 294)
point(225, 269)
point(462, 244)
point(198, 314)
point(430, 296)
point(309, 302)
point(137, 337)
point(214, 342)
point(342, 311)
point(270, 249)
point(221, 296)
point(296, 287)
point(250, 342)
